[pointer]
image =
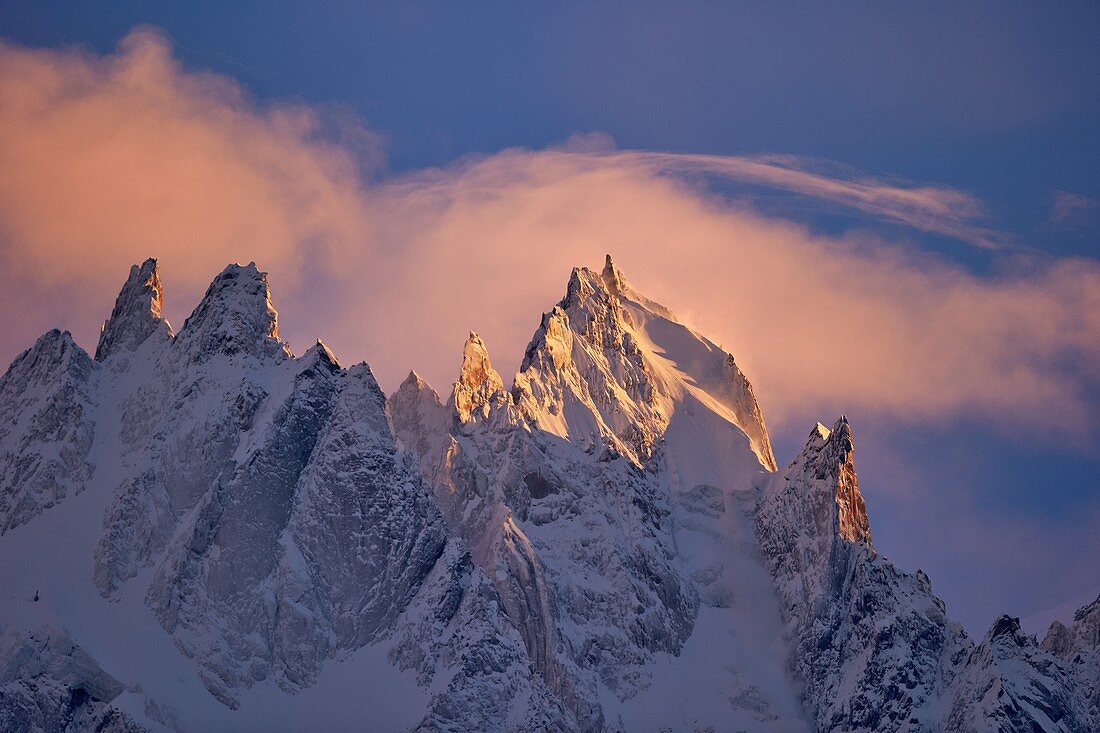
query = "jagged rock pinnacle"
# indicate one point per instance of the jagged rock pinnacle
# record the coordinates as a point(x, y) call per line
point(478, 383)
point(137, 312)
point(828, 458)
point(547, 556)
point(235, 315)
point(612, 277)
point(852, 522)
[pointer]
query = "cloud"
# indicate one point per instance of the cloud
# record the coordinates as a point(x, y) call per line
point(107, 159)
point(822, 323)
point(1070, 210)
point(930, 208)
point(110, 159)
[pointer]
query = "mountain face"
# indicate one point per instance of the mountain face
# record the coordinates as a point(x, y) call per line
point(201, 531)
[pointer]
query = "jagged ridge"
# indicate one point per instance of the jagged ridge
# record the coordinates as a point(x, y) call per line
point(603, 545)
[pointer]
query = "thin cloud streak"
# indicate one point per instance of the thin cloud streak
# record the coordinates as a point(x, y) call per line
point(933, 209)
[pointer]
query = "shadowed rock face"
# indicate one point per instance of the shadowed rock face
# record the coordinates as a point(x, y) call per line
point(49, 683)
point(235, 316)
point(1009, 683)
point(47, 426)
point(872, 644)
point(284, 524)
point(1078, 648)
point(603, 545)
point(136, 315)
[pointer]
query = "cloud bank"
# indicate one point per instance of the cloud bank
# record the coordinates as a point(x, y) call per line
point(108, 159)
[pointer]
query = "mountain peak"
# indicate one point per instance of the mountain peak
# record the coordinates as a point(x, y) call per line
point(828, 457)
point(420, 418)
point(554, 555)
point(54, 353)
point(631, 364)
point(413, 382)
point(414, 389)
point(322, 353)
point(478, 385)
point(137, 312)
point(852, 522)
point(1005, 626)
point(589, 290)
point(612, 277)
point(235, 315)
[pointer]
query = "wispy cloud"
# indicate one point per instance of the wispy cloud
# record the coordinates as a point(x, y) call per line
point(1071, 210)
point(104, 156)
point(110, 159)
point(934, 209)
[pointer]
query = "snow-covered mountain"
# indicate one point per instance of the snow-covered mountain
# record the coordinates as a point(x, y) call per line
point(201, 531)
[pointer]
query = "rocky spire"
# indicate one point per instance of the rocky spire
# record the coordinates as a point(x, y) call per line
point(857, 624)
point(478, 385)
point(137, 312)
point(831, 452)
point(813, 513)
point(852, 522)
point(612, 277)
point(235, 315)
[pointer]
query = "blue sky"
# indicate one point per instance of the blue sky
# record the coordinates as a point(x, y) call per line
point(1001, 101)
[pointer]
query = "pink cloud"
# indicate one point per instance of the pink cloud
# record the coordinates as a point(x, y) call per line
point(1071, 210)
point(110, 159)
point(812, 317)
point(107, 159)
point(930, 208)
